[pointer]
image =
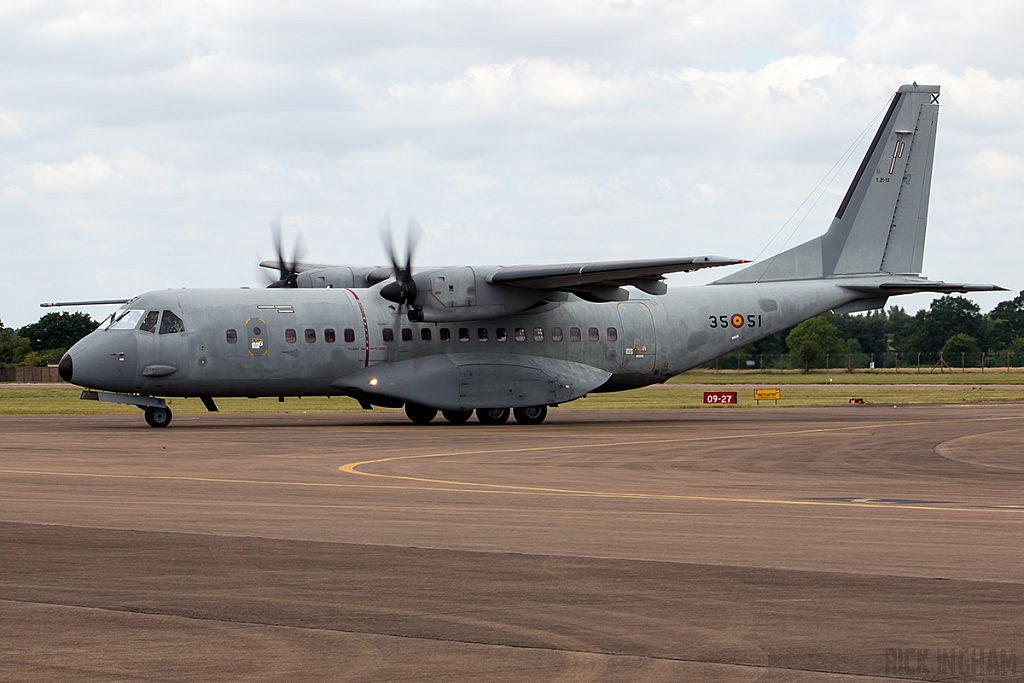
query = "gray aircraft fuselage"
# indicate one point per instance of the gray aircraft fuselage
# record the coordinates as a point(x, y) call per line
point(654, 337)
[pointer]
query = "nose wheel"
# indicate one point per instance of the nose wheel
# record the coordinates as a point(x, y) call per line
point(158, 417)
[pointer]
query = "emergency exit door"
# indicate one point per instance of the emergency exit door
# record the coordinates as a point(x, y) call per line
point(638, 338)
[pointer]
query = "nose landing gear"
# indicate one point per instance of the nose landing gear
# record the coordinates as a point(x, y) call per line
point(158, 417)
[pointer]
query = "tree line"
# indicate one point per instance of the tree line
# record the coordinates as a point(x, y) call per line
point(952, 331)
point(44, 341)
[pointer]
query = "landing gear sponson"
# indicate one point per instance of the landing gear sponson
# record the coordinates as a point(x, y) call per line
point(532, 415)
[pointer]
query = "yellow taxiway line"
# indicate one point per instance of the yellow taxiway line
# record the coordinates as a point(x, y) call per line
point(354, 468)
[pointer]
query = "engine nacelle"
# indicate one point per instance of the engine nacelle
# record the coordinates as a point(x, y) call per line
point(358, 277)
point(456, 294)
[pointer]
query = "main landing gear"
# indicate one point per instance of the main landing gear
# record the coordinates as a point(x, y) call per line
point(492, 416)
point(158, 417)
point(532, 415)
point(421, 415)
point(457, 417)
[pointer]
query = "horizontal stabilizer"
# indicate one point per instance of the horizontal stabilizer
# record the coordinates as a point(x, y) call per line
point(913, 287)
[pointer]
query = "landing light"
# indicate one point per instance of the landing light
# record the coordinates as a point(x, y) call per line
point(373, 382)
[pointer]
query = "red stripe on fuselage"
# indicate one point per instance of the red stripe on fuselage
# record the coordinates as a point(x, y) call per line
point(366, 326)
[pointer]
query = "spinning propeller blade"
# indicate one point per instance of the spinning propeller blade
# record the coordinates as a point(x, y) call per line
point(403, 290)
point(288, 269)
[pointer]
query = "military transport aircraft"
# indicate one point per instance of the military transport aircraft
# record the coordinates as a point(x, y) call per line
point(501, 339)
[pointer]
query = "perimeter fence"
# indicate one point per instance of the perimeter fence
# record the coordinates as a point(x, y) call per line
point(892, 361)
point(30, 375)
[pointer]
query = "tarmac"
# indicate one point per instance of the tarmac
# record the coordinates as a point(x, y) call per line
point(856, 543)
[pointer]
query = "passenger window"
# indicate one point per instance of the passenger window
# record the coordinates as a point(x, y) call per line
point(593, 334)
point(425, 334)
point(289, 336)
point(463, 334)
point(538, 334)
point(171, 324)
point(501, 334)
point(481, 334)
point(520, 334)
point(446, 335)
point(350, 335)
point(574, 334)
point(389, 335)
point(556, 334)
point(149, 324)
point(406, 334)
point(232, 336)
point(310, 336)
point(329, 335)
point(613, 334)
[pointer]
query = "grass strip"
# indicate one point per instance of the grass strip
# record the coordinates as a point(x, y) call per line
point(61, 400)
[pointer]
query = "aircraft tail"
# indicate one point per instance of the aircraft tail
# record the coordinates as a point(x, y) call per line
point(881, 222)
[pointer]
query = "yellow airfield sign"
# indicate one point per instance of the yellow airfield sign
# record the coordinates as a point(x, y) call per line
point(767, 394)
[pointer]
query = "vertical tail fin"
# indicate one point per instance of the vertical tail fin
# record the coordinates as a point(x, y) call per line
point(881, 222)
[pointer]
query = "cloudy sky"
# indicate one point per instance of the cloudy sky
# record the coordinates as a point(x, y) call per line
point(148, 145)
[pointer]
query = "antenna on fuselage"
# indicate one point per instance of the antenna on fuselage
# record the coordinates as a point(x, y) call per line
point(102, 302)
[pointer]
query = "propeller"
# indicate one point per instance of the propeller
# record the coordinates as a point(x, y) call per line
point(403, 290)
point(289, 269)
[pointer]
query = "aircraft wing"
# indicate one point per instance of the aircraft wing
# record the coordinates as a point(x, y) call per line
point(334, 275)
point(299, 267)
point(643, 274)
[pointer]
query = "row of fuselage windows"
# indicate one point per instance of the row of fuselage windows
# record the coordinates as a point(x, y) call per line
point(444, 334)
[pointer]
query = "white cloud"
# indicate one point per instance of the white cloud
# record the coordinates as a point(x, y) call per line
point(10, 126)
point(515, 132)
point(84, 173)
point(471, 184)
point(990, 165)
point(127, 173)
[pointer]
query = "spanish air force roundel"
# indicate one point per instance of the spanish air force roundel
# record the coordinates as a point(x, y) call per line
point(737, 320)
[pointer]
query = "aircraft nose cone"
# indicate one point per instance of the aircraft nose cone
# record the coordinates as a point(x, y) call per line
point(66, 368)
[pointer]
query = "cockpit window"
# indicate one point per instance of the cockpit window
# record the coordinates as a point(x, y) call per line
point(171, 324)
point(149, 324)
point(125, 320)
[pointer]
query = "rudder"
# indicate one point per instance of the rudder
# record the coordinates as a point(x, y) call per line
point(881, 223)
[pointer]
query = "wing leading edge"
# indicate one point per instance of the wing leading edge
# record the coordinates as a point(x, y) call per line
point(599, 277)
